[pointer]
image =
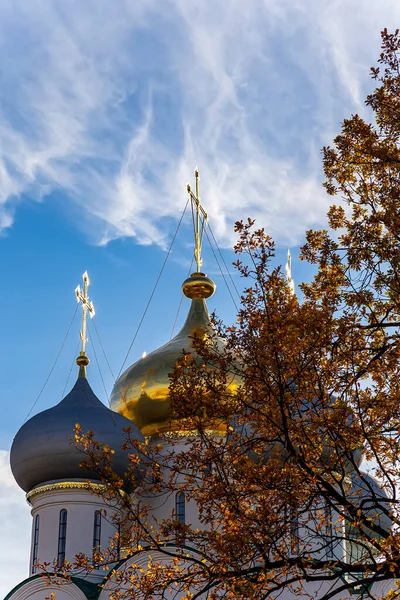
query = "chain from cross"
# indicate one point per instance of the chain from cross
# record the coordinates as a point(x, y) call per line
point(198, 222)
point(83, 298)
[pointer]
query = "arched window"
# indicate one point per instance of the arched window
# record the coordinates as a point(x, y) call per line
point(294, 530)
point(35, 544)
point(119, 541)
point(180, 516)
point(180, 507)
point(62, 537)
point(207, 470)
point(329, 531)
point(96, 535)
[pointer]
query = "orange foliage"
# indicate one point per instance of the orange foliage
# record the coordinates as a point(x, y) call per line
point(282, 494)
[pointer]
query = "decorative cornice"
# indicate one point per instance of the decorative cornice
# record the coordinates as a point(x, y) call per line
point(73, 588)
point(187, 433)
point(66, 485)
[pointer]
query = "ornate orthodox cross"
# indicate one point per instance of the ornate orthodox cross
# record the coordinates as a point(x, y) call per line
point(83, 298)
point(199, 216)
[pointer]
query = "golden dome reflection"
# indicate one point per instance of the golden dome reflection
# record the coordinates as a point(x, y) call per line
point(198, 285)
point(141, 393)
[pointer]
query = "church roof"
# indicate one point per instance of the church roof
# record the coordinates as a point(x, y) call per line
point(43, 451)
point(88, 588)
point(142, 391)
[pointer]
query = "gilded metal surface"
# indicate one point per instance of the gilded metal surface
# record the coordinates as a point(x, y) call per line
point(83, 299)
point(82, 360)
point(219, 431)
point(66, 485)
point(141, 393)
point(198, 285)
point(199, 220)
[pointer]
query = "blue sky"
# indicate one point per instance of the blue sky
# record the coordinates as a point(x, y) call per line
point(105, 109)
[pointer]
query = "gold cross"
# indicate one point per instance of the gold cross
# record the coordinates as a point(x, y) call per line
point(199, 219)
point(83, 298)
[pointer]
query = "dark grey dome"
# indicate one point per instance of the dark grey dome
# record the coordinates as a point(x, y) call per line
point(41, 450)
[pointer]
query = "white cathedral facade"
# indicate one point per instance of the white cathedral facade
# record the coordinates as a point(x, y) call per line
point(67, 517)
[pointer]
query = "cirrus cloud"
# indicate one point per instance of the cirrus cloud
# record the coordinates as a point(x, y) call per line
point(113, 104)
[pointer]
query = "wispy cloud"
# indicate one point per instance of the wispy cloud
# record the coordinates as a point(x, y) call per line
point(15, 529)
point(114, 103)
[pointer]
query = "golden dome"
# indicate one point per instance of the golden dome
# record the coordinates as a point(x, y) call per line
point(141, 393)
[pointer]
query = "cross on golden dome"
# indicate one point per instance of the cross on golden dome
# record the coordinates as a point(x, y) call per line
point(198, 285)
point(199, 219)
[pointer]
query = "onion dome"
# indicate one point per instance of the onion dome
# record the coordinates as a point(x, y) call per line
point(261, 449)
point(336, 415)
point(42, 450)
point(373, 501)
point(141, 393)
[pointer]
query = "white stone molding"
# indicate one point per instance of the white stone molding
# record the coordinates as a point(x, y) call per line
point(35, 589)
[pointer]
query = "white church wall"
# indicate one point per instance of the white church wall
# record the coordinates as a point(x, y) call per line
point(145, 559)
point(163, 505)
point(313, 528)
point(81, 504)
point(321, 532)
point(142, 561)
